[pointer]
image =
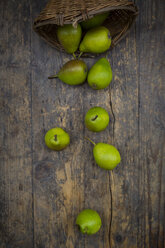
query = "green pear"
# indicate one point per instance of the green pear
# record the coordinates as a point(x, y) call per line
point(96, 40)
point(74, 72)
point(69, 37)
point(100, 75)
point(94, 21)
point(89, 221)
point(96, 119)
point(106, 156)
point(57, 139)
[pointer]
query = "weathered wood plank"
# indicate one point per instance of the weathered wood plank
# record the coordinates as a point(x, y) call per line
point(58, 176)
point(124, 105)
point(16, 222)
point(150, 61)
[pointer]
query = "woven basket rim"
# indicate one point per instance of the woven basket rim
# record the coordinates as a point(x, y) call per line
point(130, 7)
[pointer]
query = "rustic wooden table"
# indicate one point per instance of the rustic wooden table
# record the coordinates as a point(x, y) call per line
point(42, 191)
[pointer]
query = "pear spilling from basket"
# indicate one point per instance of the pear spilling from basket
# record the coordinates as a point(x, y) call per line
point(100, 75)
point(96, 40)
point(74, 72)
point(95, 21)
point(69, 37)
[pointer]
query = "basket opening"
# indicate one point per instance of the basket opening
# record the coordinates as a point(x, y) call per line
point(118, 22)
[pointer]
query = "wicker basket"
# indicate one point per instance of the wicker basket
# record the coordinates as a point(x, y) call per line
point(59, 12)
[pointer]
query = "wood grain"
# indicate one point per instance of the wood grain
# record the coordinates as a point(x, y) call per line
point(16, 211)
point(150, 41)
point(42, 191)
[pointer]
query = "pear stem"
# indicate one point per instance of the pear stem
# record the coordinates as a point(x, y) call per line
point(80, 55)
point(53, 76)
point(94, 118)
point(90, 140)
point(74, 56)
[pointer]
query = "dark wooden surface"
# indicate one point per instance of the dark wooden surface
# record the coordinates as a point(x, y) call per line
point(42, 191)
